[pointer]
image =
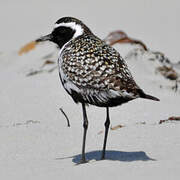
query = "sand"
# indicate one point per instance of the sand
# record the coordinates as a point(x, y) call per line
point(35, 140)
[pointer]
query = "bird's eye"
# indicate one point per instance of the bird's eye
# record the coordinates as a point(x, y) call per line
point(60, 31)
point(63, 30)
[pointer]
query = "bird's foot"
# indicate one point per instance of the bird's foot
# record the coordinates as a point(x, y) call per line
point(83, 161)
point(103, 155)
point(102, 158)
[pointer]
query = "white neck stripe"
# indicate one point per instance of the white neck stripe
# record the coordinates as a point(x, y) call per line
point(78, 29)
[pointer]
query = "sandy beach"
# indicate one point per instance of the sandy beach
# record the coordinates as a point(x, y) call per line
point(35, 142)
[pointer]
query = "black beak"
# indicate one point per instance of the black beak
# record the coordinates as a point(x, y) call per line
point(45, 38)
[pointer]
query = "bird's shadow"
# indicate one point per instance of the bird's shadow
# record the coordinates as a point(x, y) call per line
point(113, 156)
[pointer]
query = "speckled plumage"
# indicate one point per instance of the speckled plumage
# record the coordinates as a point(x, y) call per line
point(98, 71)
point(91, 71)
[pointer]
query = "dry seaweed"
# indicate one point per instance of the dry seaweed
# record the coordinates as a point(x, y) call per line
point(168, 72)
point(27, 47)
point(117, 127)
point(47, 62)
point(170, 119)
point(121, 37)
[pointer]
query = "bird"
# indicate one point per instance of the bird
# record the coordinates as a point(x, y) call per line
point(92, 72)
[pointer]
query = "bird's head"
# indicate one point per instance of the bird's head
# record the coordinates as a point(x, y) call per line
point(65, 29)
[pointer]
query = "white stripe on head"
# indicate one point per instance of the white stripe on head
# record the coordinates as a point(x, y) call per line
point(78, 29)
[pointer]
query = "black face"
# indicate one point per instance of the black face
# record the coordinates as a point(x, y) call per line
point(62, 35)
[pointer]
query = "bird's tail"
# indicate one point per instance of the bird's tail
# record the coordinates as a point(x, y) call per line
point(146, 96)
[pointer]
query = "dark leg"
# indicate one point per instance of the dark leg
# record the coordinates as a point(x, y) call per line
point(107, 123)
point(85, 125)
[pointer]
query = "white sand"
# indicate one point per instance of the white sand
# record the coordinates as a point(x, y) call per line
point(35, 142)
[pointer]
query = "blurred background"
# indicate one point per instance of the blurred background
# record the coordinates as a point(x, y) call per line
point(35, 143)
point(157, 23)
